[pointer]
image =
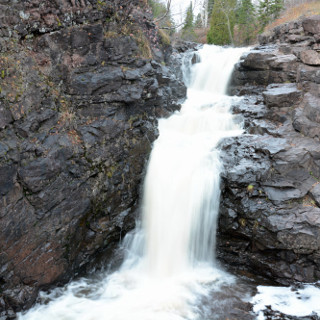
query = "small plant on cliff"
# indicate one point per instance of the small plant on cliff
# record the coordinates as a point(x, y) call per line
point(250, 188)
point(111, 34)
point(164, 38)
point(143, 44)
point(313, 176)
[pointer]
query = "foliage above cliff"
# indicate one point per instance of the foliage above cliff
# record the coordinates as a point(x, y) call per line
point(237, 21)
point(295, 12)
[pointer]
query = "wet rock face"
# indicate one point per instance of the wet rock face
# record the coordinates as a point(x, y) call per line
point(80, 91)
point(270, 213)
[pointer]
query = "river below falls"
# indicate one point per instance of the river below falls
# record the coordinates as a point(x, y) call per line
point(169, 271)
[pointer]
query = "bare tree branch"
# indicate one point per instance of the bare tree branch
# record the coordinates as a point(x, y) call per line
point(166, 13)
point(196, 3)
point(172, 28)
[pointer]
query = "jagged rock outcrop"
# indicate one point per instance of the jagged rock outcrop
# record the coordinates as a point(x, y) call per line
point(270, 213)
point(81, 86)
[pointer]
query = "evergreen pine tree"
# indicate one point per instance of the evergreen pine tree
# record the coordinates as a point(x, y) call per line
point(188, 28)
point(277, 6)
point(264, 14)
point(198, 23)
point(188, 22)
point(269, 10)
point(246, 21)
point(222, 22)
point(210, 4)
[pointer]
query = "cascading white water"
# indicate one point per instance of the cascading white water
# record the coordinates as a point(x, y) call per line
point(170, 261)
point(181, 198)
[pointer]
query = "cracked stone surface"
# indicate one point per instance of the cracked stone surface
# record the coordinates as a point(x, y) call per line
point(270, 213)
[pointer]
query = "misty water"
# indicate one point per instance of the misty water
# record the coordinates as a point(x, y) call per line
point(170, 271)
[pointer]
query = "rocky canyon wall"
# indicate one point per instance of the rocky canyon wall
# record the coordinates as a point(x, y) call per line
point(81, 86)
point(270, 212)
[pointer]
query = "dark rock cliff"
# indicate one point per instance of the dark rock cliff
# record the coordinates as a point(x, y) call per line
point(81, 86)
point(270, 212)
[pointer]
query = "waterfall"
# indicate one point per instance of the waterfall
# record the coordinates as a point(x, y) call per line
point(170, 263)
point(181, 198)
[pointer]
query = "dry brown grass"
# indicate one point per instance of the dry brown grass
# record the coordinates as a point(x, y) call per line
point(143, 44)
point(299, 11)
point(165, 38)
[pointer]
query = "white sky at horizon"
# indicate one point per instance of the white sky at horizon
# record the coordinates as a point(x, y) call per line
point(179, 8)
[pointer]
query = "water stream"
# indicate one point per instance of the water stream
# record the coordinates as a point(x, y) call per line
point(170, 272)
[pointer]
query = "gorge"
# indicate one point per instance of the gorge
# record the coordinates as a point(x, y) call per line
point(170, 262)
point(82, 84)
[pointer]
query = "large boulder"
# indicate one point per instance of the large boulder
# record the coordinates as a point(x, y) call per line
point(281, 95)
point(264, 66)
point(310, 57)
point(312, 24)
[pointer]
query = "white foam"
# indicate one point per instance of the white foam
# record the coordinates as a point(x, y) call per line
point(299, 303)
